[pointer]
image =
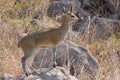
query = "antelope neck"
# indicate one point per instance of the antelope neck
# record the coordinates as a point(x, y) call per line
point(65, 26)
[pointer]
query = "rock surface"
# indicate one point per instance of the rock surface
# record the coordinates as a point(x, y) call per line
point(79, 58)
point(56, 7)
point(98, 28)
point(57, 73)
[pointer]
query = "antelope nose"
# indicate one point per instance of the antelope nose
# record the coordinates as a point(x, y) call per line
point(76, 18)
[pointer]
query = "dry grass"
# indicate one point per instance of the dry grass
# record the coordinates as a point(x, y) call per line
point(107, 52)
point(108, 55)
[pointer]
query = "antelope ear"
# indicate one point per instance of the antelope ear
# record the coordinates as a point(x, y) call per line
point(64, 10)
point(71, 9)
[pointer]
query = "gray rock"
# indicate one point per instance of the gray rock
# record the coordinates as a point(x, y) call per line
point(99, 28)
point(79, 58)
point(86, 3)
point(113, 6)
point(82, 22)
point(56, 7)
point(57, 73)
point(115, 16)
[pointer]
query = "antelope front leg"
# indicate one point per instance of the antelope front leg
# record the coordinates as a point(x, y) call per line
point(24, 66)
point(27, 55)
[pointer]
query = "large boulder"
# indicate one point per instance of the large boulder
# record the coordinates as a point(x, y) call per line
point(97, 28)
point(56, 7)
point(79, 58)
point(103, 8)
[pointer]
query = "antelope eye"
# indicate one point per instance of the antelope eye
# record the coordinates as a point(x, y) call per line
point(72, 16)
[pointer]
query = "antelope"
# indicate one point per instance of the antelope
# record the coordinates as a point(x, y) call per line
point(45, 39)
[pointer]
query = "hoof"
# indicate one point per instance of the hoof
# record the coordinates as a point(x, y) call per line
point(27, 74)
point(55, 64)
